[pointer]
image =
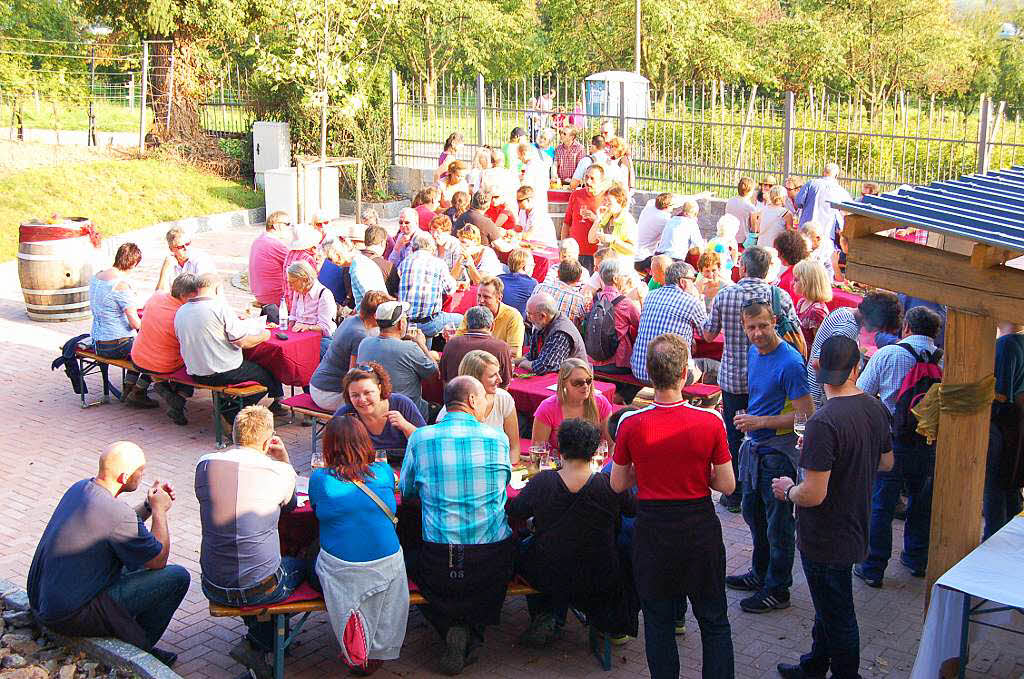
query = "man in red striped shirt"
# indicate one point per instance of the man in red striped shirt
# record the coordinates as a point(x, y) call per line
point(568, 154)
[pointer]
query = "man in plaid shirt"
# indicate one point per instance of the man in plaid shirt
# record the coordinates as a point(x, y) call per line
point(732, 374)
point(459, 469)
point(424, 280)
point(568, 154)
point(675, 308)
point(567, 290)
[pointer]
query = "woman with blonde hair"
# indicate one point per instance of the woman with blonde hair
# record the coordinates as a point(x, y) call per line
point(478, 260)
point(313, 306)
point(481, 162)
point(453, 183)
point(775, 217)
point(813, 288)
point(501, 407)
point(620, 168)
point(575, 397)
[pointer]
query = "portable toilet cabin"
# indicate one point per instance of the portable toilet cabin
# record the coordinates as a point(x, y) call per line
point(612, 94)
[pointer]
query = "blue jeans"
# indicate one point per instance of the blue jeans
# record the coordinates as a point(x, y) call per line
point(292, 572)
point(999, 504)
point(730, 404)
point(715, 636)
point(772, 526)
point(912, 470)
point(123, 350)
point(438, 322)
point(835, 637)
point(151, 597)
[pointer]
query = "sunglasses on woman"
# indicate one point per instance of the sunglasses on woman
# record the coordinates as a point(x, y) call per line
point(587, 381)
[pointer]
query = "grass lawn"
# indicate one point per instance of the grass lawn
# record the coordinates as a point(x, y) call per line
point(118, 195)
point(110, 117)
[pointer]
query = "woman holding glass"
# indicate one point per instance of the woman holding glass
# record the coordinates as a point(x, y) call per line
point(501, 408)
point(575, 397)
point(390, 419)
point(361, 567)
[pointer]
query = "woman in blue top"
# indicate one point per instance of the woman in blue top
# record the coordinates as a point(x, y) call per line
point(361, 566)
point(390, 419)
point(115, 320)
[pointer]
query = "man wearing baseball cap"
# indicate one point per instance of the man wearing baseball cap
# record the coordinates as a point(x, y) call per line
point(845, 443)
point(401, 350)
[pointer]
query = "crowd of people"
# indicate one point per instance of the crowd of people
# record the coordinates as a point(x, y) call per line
point(812, 442)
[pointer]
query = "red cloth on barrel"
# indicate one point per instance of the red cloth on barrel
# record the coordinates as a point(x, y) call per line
point(293, 361)
point(528, 392)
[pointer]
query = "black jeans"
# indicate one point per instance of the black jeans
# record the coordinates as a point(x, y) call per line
point(122, 348)
point(660, 618)
point(999, 504)
point(730, 404)
point(247, 372)
point(835, 637)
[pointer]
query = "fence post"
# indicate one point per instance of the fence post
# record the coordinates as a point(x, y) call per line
point(787, 136)
point(480, 123)
point(622, 110)
point(170, 91)
point(142, 100)
point(131, 93)
point(983, 158)
point(394, 117)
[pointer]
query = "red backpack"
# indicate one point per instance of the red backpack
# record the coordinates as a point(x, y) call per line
point(915, 385)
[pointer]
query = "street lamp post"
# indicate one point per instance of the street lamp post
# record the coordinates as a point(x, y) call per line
point(636, 43)
point(96, 31)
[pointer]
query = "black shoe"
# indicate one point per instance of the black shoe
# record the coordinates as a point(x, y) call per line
point(246, 655)
point(166, 657)
point(787, 671)
point(748, 582)
point(177, 416)
point(170, 398)
point(765, 601)
point(456, 644)
point(277, 410)
point(915, 571)
point(858, 570)
point(137, 398)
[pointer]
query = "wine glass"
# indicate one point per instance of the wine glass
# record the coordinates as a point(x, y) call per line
point(799, 425)
point(316, 460)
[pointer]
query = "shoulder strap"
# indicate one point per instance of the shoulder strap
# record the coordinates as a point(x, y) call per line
point(617, 300)
point(911, 350)
point(776, 301)
point(377, 501)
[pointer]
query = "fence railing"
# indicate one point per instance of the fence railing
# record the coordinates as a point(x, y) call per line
point(702, 137)
point(228, 111)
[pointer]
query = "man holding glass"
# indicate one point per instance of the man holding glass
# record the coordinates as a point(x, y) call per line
point(778, 391)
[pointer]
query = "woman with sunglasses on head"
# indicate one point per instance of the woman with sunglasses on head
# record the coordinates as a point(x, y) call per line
point(575, 397)
point(389, 418)
point(361, 566)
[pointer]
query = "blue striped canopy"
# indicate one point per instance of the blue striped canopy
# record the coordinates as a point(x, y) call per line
point(984, 208)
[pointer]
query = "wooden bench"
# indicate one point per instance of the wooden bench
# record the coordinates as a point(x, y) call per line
point(90, 362)
point(303, 404)
point(306, 601)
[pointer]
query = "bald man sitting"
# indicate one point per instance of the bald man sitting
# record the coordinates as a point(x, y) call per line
point(98, 571)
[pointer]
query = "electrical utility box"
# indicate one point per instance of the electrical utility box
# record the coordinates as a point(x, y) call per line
point(271, 148)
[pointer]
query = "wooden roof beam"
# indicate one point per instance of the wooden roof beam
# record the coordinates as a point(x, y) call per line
point(987, 256)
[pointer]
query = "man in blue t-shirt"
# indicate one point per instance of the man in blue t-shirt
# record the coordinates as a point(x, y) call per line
point(777, 390)
point(1002, 498)
point(98, 571)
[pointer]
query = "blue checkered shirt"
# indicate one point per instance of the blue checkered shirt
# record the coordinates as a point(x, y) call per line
point(667, 309)
point(843, 322)
point(725, 314)
point(568, 300)
point(459, 468)
point(424, 281)
point(365, 276)
point(883, 375)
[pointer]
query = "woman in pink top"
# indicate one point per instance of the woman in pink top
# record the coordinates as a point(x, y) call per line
point(426, 203)
point(627, 322)
point(313, 306)
point(304, 248)
point(575, 397)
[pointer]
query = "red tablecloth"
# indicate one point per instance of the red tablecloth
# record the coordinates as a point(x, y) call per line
point(544, 257)
point(293, 361)
point(843, 298)
point(702, 349)
point(528, 392)
point(460, 301)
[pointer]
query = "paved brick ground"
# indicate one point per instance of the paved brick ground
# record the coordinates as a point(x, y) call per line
point(51, 442)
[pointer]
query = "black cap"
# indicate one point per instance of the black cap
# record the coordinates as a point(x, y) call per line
point(839, 354)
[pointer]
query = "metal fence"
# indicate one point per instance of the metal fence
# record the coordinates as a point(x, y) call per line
point(228, 111)
point(700, 137)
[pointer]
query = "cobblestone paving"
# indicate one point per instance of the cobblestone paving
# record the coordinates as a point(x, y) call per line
point(51, 442)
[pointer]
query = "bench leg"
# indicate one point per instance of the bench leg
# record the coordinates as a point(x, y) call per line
point(601, 647)
point(280, 643)
point(218, 424)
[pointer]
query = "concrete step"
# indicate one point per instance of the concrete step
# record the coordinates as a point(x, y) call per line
point(557, 208)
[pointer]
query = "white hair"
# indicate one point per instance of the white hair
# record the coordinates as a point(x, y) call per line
point(728, 226)
point(411, 214)
point(832, 170)
point(569, 246)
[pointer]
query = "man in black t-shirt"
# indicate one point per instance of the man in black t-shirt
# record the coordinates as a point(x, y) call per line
point(845, 443)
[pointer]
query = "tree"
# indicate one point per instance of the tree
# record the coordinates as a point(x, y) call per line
point(431, 38)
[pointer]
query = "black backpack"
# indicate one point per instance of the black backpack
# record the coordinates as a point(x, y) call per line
point(915, 385)
point(599, 335)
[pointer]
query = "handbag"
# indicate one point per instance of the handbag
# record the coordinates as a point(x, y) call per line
point(789, 332)
point(377, 501)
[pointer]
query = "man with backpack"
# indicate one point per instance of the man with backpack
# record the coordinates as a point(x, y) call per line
point(610, 327)
point(900, 374)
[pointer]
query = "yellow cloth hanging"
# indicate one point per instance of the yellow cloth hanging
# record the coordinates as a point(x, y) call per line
point(963, 399)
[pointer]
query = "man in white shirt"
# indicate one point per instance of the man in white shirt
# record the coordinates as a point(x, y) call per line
point(212, 338)
point(597, 155)
point(650, 225)
point(682, 236)
point(182, 259)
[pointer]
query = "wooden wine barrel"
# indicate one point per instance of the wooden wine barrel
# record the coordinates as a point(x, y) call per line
point(55, 267)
